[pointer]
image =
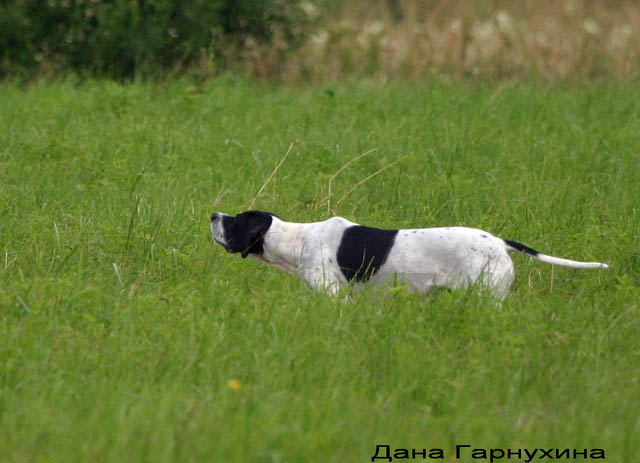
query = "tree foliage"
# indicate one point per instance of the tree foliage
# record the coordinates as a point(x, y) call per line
point(126, 38)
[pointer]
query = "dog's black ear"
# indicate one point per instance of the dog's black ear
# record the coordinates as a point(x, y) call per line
point(249, 229)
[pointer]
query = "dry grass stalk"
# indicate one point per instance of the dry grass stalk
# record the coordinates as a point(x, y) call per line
point(273, 173)
point(499, 39)
point(369, 177)
point(340, 170)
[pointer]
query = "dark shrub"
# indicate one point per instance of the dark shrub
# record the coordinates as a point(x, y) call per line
point(123, 38)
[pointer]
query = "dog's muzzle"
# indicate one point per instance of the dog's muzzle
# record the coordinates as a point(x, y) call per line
point(217, 231)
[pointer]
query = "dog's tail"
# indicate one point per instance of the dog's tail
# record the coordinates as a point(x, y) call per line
point(514, 246)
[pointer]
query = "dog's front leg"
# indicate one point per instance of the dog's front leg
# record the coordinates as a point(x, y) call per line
point(321, 280)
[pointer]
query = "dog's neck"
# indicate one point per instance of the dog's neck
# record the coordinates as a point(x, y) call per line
point(283, 245)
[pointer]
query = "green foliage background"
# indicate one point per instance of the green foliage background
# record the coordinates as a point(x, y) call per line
point(123, 39)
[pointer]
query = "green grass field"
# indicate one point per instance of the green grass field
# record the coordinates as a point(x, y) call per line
point(126, 335)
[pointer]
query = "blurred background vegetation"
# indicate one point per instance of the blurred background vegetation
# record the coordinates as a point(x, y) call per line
point(306, 40)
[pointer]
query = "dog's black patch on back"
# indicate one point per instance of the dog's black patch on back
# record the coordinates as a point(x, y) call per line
point(363, 250)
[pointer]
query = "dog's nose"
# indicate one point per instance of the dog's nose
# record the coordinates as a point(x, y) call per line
point(215, 216)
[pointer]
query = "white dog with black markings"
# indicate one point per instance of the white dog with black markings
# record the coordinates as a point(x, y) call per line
point(331, 254)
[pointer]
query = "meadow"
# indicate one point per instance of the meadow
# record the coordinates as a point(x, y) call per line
point(126, 335)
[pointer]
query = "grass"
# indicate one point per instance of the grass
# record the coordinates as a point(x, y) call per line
point(126, 335)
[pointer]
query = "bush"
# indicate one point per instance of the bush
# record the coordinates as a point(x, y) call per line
point(127, 38)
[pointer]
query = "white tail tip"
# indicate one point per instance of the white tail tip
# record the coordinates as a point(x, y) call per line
point(569, 263)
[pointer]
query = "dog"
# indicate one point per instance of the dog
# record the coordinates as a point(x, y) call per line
point(332, 254)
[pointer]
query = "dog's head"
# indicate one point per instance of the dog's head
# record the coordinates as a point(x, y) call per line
point(243, 233)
